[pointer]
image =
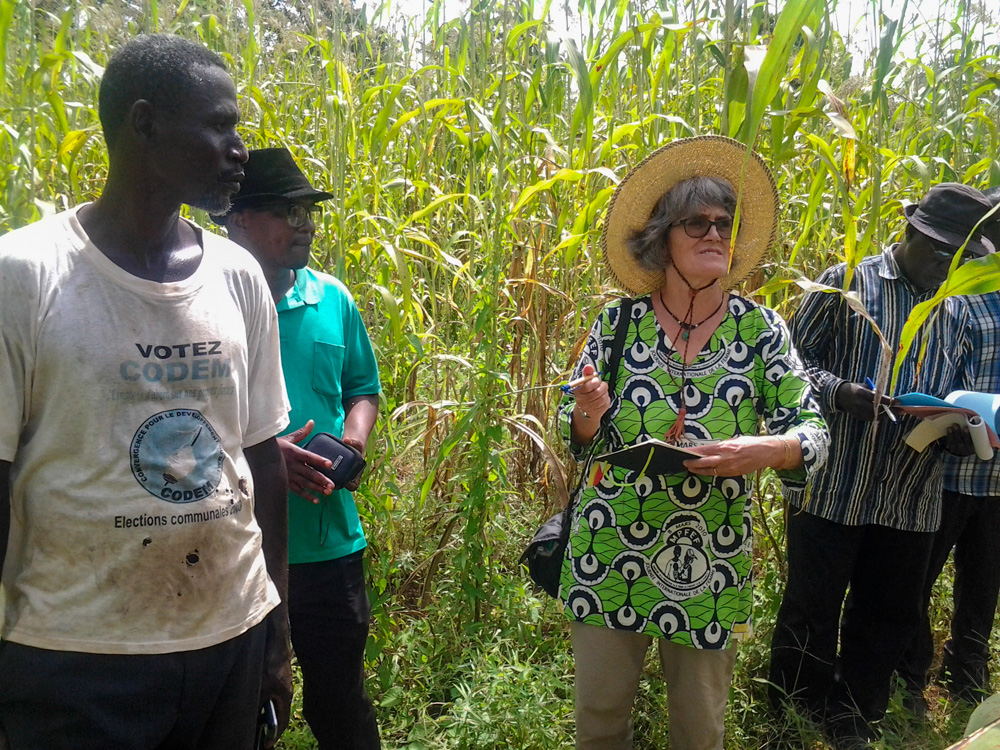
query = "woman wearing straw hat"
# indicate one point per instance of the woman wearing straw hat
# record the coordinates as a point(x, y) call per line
point(669, 557)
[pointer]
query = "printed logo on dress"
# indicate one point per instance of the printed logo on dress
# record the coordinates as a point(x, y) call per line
point(177, 456)
point(681, 567)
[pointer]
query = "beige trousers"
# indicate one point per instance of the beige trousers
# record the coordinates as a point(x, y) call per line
point(608, 665)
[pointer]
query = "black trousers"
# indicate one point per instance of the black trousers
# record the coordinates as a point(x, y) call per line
point(884, 569)
point(971, 526)
point(189, 700)
point(328, 609)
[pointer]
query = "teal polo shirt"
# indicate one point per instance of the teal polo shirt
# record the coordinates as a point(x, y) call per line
point(326, 357)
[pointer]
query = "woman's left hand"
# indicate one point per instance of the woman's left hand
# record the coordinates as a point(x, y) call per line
point(744, 455)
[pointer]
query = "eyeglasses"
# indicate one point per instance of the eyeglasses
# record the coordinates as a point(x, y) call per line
point(699, 226)
point(296, 214)
point(944, 252)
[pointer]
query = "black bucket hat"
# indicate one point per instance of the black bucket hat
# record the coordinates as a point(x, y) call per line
point(271, 175)
point(991, 230)
point(948, 214)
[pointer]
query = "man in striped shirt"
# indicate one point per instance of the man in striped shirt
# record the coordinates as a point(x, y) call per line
point(970, 519)
point(869, 518)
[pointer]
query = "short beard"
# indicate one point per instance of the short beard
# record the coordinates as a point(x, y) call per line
point(216, 205)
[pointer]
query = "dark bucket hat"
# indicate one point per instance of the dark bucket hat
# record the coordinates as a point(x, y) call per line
point(992, 229)
point(272, 175)
point(948, 213)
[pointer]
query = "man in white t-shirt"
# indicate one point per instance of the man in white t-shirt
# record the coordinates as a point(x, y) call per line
point(143, 522)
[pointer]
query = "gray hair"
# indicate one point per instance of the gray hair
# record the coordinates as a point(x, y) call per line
point(650, 245)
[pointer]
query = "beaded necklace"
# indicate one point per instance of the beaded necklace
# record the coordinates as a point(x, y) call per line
point(676, 432)
point(686, 327)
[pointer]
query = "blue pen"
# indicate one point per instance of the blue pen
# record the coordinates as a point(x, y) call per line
point(573, 384)
point(871, 384)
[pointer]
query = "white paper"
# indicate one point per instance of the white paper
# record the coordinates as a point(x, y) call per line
point(933, 428)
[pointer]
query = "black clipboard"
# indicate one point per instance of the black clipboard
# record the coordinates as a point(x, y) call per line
point(665, 459)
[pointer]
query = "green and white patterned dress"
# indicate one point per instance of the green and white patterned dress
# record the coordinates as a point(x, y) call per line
point(670, 556)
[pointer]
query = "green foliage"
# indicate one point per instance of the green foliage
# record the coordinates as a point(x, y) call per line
point(471, 159)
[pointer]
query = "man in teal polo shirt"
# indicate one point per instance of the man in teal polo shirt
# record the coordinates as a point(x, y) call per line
point(332, 381)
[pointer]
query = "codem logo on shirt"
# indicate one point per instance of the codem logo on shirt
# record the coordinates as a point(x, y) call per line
point(177, 456)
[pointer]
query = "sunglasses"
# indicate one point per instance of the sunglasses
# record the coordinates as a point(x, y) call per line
point(699, 226)
point(296, 214)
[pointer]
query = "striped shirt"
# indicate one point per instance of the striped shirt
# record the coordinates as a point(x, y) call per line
point(872, 476)
point(970, 476)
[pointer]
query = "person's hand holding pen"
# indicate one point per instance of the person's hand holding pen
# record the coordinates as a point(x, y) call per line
point(592, 400)
point(859, 401)
point(886, 401)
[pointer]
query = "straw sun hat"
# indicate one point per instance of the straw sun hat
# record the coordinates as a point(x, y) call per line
point(705, 156)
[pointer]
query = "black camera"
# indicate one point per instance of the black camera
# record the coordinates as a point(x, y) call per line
point(348, 463)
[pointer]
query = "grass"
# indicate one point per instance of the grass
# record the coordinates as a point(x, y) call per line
point(471, 158)
point(453, 683)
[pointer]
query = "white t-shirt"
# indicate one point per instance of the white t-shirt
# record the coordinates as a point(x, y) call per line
point(125, 407)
